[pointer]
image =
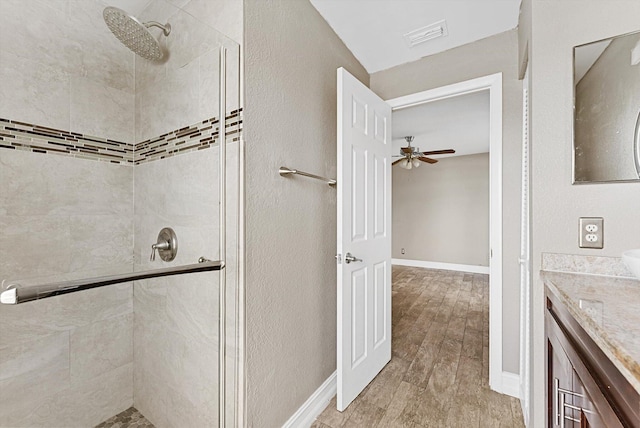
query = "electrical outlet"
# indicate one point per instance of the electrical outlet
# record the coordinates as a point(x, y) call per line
point(402, 251)
point(591, 232)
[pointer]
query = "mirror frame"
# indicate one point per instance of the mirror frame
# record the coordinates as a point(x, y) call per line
point(636, 146)
point(635, 141)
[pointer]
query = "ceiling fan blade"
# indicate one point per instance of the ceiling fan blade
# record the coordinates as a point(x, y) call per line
point(427, 160)
point(399, 160)
point(407, 149)
point(439, 152)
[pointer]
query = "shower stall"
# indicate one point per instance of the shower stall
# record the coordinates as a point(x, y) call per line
point(120, 166)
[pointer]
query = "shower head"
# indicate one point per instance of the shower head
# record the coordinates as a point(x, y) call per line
point(134, 34)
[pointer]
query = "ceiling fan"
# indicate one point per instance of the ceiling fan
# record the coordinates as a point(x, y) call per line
point(412, 156)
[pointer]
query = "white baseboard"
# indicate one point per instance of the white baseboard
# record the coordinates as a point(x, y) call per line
point(439, 265)
point(509, 384)
point(309, 411)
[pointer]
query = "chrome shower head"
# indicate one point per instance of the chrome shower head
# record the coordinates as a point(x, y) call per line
point(134, 34)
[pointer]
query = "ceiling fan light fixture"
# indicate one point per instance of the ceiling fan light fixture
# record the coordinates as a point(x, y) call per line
point(415, 162)
point(403, 163)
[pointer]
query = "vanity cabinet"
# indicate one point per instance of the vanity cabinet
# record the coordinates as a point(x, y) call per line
point(584, 388)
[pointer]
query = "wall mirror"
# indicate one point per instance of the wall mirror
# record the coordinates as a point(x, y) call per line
point(606, 137)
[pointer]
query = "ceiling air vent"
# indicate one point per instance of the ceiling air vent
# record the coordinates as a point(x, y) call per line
point(430, 32)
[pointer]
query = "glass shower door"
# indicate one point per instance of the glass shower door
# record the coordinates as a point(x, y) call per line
point(104, 155)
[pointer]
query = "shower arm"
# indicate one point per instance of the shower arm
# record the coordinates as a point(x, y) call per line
point(166, 28)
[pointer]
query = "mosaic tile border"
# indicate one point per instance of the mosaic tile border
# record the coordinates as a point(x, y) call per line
point(40, 139)
point(190, 138)
point(23, 136)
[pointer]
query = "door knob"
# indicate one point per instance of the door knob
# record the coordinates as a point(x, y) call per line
point(348, 258)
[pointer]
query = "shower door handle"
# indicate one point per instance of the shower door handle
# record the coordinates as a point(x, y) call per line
point(348, 258)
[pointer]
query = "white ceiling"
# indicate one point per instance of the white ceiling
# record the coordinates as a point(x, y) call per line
point(460, 123)
point(373, 29)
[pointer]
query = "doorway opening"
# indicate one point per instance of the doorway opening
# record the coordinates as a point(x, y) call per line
point(498, 380)
point(440, 209)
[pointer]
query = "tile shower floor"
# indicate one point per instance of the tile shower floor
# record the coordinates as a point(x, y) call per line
point(439, 371)
point(130, 418)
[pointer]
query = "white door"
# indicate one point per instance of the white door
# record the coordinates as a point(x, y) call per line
point(364, 236)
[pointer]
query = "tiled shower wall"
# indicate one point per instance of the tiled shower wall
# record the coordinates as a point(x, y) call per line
point(69, 361)
point(176, 325)
point(66, 361)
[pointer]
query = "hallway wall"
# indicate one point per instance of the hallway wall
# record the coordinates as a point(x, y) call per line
point(441, 211)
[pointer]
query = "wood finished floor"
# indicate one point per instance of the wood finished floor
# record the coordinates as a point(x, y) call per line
point(438, 374)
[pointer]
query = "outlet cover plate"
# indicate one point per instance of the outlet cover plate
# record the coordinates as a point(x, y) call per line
point(591, 233)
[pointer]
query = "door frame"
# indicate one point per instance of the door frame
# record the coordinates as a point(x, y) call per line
point(499, 381)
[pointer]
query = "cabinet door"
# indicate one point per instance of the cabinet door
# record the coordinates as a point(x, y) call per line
point(590, 415)
point(560, 373)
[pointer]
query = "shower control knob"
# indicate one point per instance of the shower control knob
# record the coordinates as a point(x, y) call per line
point(166, 244)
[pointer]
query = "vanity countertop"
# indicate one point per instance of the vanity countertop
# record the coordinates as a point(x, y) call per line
point(608, 309)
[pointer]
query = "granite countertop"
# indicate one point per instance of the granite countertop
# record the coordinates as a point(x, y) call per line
point(608, 309)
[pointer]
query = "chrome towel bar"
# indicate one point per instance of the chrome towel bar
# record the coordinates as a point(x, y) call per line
point(284, 171)
point(20, 294)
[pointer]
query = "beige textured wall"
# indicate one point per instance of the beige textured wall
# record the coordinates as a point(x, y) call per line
point(494, 54)
point(556, 204)
point(291, 57)
point(607, 106)
point(441, 211)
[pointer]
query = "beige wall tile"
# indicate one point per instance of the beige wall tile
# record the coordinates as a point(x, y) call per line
point(100, 347)
point(80, 404)
point(223, 15)
point(166, 408)
point(169, 105)
point(25, 246)
point(180, 192)
point(210, 84)
point(175, 337)
point(33, 92)
point(31, 361)
point(101, 241)
point(33, 184)
point(101, 111)
point(29, 321)
point(100, 56)
point(35, 29)
point(190, 38)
